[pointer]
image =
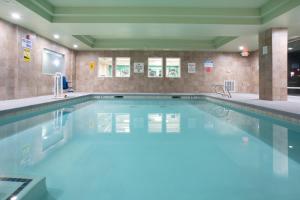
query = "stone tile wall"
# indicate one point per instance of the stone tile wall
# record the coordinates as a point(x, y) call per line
point(228, 66)
point(19, 79)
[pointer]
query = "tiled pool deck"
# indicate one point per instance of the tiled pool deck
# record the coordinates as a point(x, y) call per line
point(20, 103)
point(290, 107)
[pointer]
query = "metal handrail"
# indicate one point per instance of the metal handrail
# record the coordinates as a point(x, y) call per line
point(224, 91)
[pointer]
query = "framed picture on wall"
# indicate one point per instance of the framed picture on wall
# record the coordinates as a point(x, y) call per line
point(138, 68)
point(191, 68)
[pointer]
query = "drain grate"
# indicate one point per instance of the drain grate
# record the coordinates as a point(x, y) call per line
point(24, 182)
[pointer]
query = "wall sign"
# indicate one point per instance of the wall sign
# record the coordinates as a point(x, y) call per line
point(26, 43)
point(138, 68)
point(26, 55)
point(92, 66)
point(208, 65)
point(191, 68)
point(265, 50)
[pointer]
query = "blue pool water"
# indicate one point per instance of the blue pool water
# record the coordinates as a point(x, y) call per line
point(154, 149)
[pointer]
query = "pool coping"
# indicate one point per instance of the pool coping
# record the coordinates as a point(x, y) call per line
point(271, 112)
point(266, 111)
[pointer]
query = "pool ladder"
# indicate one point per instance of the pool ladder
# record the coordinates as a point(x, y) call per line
point(222, 90)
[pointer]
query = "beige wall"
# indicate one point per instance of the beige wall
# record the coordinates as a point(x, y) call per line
point(19, 79)
point(228, 66)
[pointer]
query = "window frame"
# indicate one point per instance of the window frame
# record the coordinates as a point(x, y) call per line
point(116, 65)
point(112, 65)
point(179, 67)
point(162, 67)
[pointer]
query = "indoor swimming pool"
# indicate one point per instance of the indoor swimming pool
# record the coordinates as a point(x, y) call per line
point(133, 149)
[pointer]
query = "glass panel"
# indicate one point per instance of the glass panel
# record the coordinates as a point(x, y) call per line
point(155, 67)
point(105, 67)
point(173, 67)
point(123, 67)
point(53, 62)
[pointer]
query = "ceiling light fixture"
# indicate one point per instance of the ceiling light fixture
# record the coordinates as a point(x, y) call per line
point(290, 48)
point(241, 48)
point(56, 36)
point(15, 15)
point(75, 46)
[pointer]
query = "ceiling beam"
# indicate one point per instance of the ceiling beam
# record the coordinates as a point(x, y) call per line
point(153, 44)
point(38, 8)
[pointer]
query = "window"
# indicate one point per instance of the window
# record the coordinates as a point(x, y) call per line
point(173, 67)
point(155, 68)
point(105, 67)
point(53, 62)
point(122, 67)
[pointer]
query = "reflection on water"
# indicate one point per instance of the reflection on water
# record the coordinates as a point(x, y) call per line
point(215, 143)
point(33, 140)
point(173, 123)
point(104, 122)
point(280, 150)
point(123, 123)
point(155, 123)
point(52, 135)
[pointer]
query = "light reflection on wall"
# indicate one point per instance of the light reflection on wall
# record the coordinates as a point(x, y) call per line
point(280, 151)
point(173, 123)
point(104, 122)
point(155, 123)
point(123, 123)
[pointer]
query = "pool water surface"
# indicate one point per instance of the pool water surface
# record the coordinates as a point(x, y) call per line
point(154, 149)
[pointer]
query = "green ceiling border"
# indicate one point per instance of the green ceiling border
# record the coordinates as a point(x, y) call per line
point(38, 8)
point(267, 12)
point(86, 39)
point(154, 44)
point(256, 16)
point(220, 41)
point(275, 8)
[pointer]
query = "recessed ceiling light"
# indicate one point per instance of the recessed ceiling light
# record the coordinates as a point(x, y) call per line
point(241, 48)
point(75, 46)
point(16, 16)
point(56, 36)
point(290, 48)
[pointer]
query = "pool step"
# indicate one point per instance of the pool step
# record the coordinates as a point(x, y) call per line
point(23, 188)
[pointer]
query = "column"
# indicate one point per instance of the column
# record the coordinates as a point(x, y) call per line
point(273, 44)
